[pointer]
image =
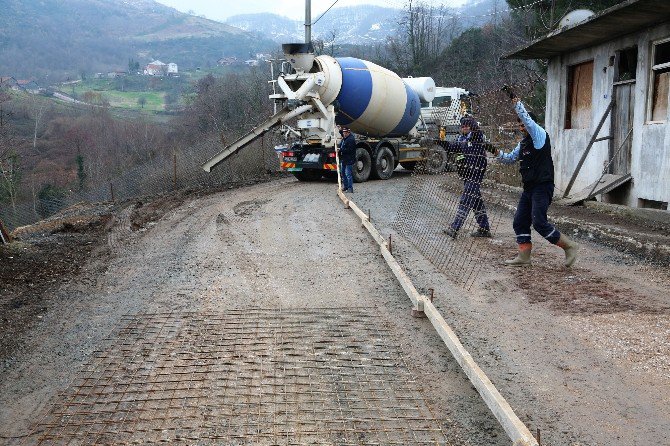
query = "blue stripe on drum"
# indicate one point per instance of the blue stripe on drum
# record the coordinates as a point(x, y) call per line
point(356, 90)
point(411, 115)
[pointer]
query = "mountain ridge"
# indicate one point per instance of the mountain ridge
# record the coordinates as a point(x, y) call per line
point(359, 25)
point(58, 39)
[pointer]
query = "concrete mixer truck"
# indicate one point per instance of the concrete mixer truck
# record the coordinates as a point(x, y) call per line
point(321, 92)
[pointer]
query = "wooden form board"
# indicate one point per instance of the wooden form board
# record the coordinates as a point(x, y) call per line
point(605, 184)
point(4, 234)
point(513, 426)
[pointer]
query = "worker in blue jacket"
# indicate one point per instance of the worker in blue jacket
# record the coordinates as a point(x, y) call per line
point(347, 151)
point(471, 167)
point(537, 174)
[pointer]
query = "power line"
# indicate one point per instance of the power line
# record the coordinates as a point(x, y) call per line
point(319, 18)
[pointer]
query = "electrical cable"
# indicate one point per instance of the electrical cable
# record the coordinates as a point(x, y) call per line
point(319, 18)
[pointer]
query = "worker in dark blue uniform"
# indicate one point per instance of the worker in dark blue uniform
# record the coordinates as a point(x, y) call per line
point(347, 151)
point(471, 167)
point(537, 174)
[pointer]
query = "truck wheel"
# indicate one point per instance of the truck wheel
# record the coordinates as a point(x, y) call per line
point(384, 164)
point(308, 175)
point(436, 159)
point(408, 165)
point(363, 166)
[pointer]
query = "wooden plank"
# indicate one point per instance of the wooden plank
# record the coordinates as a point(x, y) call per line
point(5, 238)
point(622, 120)
point(588, 149)
point(513, 426)
point(605, 184)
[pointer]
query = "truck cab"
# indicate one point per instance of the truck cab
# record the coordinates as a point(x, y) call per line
point(446, 110)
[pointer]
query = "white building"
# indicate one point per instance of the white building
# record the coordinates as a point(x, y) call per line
point(608, 91)
point(172, 69)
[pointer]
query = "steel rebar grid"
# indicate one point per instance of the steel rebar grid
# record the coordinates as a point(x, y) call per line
point(256, 376)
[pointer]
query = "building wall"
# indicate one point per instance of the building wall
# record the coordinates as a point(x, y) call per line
point(650, 157)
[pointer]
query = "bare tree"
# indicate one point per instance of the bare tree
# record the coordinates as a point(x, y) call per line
point(424, 32)
point(38, 108)
point(10, 172)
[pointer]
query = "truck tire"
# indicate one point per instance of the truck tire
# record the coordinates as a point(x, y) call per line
point(436, 159)
point(308, 175)
point(363, 166)
point(384, 164)
point(408, 165)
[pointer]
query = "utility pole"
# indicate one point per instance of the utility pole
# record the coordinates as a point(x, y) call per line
point(308, 21)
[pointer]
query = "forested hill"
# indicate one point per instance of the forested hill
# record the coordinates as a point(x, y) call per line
point(363, 24)
point(63, 38)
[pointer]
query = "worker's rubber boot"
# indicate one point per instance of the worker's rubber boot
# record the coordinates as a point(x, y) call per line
point(570, 249)
point(523, 258)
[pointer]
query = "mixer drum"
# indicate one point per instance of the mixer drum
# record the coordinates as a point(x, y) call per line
point(373, 101)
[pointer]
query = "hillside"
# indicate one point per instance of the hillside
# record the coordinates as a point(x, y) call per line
point(365, 24)
point(57, 39)
point(359, 25)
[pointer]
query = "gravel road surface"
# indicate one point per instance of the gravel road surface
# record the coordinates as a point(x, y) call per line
point(582, 354)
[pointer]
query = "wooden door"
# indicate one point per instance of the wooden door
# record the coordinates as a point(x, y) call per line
point(622, 123)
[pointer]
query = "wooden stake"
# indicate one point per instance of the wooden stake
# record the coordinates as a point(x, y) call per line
point(174, 169)
point(5, 238)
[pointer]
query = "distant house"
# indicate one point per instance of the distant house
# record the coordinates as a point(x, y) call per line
point(28, 86)
point(8, 82)
point(98, 75)
point(156, 68)
point(117, 73)
point(252, 62)
point(227, 61)
point(608, 106)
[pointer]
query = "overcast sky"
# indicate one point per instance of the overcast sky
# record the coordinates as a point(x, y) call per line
point(295, 9)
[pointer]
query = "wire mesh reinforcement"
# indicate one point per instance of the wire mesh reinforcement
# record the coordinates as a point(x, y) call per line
point(255, 376)
point(442, 208)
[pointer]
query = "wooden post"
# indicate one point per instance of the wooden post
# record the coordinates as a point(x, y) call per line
point(5, 238)
point(174, 169)
point(111, 190)
point(588, 148)
point(264, 169)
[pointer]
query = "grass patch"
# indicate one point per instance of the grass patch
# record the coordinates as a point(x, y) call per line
point(155, 101)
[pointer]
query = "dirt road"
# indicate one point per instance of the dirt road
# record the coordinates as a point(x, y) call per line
point(207, 283)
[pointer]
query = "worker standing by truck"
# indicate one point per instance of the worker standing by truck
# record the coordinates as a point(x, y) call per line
point(347, 151)
point(537, 174)
point(471, 167)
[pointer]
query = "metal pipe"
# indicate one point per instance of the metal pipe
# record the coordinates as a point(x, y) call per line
point(308, 21)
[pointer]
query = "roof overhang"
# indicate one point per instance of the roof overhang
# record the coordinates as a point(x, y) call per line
point(625, 18)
